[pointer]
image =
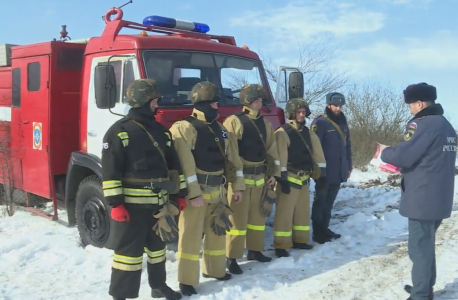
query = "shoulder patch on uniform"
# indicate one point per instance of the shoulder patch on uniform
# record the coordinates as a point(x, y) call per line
point(224, 133)
point(413, 126)
point(314, 127)
point(409, 134)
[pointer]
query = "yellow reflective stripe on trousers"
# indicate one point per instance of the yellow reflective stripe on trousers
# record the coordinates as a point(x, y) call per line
point(144, 200)
point(113, 192)
point(258, 182)
point(155, 257)
point(215, 252)
point(301, 228)
point(256, 227)
point(299, 181)
point(127, 263)
point(283, 233)
point(142, 192)
point(236, 232)
point(187, 256)
point(110, 184)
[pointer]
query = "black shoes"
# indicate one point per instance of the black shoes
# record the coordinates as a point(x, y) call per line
point(257, 255)
point(165, 292)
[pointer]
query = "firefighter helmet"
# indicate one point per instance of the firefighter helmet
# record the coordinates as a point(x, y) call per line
point(204, 91)
point(296, 103)
point(251, 92)
point(141, 91)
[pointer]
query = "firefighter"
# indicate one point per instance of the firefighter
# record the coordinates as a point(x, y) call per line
point(253, 137)
point(301, 157)
point(208, 161)
point(140, 170)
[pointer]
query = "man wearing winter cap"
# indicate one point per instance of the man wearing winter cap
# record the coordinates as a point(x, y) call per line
point(426, 157)
point(332, 130)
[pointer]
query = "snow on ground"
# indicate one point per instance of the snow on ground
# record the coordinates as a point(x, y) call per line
point(40, 259)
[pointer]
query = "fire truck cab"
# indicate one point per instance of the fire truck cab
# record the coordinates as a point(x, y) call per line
point(58, 98)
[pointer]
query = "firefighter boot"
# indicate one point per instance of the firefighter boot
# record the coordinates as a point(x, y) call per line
point(408, 289)
point(233, 267)
point(257, 255)
point(118, 298)
point(224, 278)
point(303, 246)
point(165, 292)
point(281, 253)
point(187, 290)
point(332, 234)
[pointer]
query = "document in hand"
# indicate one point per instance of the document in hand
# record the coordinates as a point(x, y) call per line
point(385, 167)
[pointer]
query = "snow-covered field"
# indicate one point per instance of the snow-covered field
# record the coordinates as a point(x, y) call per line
point(40, 259)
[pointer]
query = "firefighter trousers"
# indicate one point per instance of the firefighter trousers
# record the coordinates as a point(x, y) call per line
point(195, 221)
point(292, 217)
point(137, 237)
point(249, 223)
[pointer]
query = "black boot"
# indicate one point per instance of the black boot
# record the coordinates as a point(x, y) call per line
point(187, 290)
point(224, 278)
point(118, 298)
point(408, 289)
point(320, 237)
point(303, 246)
point(257, 255)
point(165, 292)
point(233, 267)
point(281, 253)
point(332, 234)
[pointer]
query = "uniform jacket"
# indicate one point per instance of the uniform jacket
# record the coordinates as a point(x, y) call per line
point(284, 142)
point(336, 151)
point(426, 157)
point(128, 153)
point(185, 135)
point(235, 131)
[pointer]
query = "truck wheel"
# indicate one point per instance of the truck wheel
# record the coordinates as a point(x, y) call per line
point(93, 213)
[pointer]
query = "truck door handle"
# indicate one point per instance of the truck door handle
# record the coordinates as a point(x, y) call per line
point(91, 133)
point(25, 122)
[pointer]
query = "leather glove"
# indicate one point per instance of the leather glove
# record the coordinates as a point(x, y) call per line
point(284, 185)
point(181, 204)
point(165, 226)
point(220, 222)
point(267, 202)
point(120, 213)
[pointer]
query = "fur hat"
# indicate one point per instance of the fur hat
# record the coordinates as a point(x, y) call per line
point(420, 91)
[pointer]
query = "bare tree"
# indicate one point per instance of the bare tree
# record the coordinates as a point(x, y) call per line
point(375, 112)
point(316, 59)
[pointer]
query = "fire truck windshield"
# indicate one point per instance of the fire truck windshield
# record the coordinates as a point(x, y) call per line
point(178, 71)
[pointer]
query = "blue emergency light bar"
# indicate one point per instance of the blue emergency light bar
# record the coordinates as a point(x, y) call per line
point(176, 24)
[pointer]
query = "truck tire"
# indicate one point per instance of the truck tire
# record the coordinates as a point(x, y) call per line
point(93, 214)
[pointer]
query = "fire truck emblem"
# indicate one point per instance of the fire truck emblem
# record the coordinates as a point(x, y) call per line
point(37, 136)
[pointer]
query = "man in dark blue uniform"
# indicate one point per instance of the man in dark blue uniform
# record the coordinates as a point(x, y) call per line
point(332, 130)
point(426, 157)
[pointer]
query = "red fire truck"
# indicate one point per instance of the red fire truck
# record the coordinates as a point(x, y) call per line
point(58, 98)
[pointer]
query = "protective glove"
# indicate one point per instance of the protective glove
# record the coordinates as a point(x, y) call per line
point(267, 202)
point(284, 184)
point(181, 204)
point(220, 222)
point(120, 214)
point(165, 226)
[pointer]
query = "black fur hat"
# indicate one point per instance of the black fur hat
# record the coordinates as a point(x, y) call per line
point(420, 91)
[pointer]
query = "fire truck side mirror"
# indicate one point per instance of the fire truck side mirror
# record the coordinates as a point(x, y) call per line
point(296, 85)
point(105, 86)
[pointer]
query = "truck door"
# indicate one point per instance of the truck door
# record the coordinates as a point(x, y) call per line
point(35, 125)
point(99, 120)
point(290, 84)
